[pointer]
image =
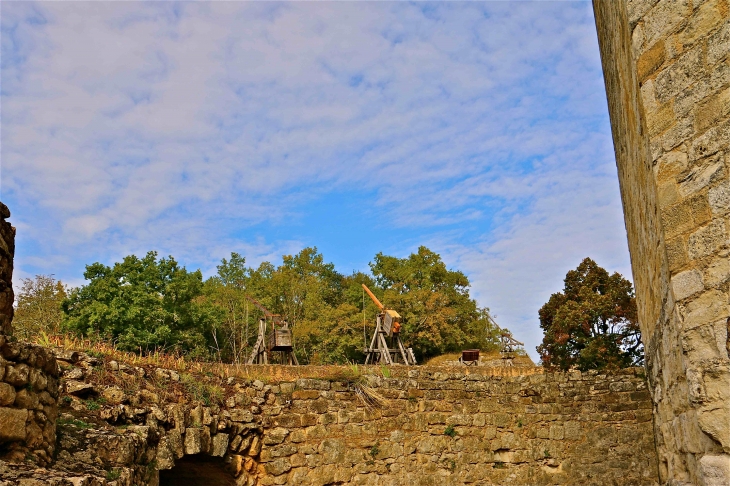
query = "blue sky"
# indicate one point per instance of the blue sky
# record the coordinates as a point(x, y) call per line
point(478, 129)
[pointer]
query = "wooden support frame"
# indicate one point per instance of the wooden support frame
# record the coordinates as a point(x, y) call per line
point(380, 352)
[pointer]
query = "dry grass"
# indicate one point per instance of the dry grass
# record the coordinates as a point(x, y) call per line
point(217, 373)
point(519, 359)
point(210, 369)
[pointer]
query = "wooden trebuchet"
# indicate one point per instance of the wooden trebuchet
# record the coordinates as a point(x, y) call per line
point(387, 328)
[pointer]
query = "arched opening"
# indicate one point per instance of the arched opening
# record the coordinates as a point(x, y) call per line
point(197, 470)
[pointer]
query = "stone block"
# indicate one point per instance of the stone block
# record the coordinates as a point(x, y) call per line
point(17, 375)
point(193, 440)
point(677, 255)
point(332, 451)
point(175, 442)
point(718, 45)
point(705, 342)
point(557, 432)
point(717, 272)
point(13, 422)
point(719, 198)
point(678, 76)
point(26, 399)
point(664, 18)
point(715, 469)
point(275, 436)
point(7, 394)
point(305, 394)
point(651, 59)
point(79, 388)
point(677, 219)
point(239, 415)
point(278, 466)
point(662, 119)
point(707, 240)
point(164, 456)
point(703, 21)
point(702, 175)
point(219, 445)
point(709, 307)
point(686, 284)
point(712, 110)
point(711, 142)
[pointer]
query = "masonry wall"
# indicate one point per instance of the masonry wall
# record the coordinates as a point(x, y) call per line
point(28, 402)
point(28, 375)
point(119, 425)
point(667, 74)
point(7, 253)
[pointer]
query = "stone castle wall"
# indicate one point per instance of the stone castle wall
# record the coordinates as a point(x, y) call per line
point(423, 426)
point(667, 72)
point(28, 402)
point(7, 253)
point(28, 375)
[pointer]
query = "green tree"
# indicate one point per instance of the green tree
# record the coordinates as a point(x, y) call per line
point(593, 323)
point(439, 315)
point(226, 292)
point(143, 304)
point(39, 307)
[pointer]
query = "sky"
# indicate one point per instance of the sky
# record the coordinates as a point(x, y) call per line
point(477, 129)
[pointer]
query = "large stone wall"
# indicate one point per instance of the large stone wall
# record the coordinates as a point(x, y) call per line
point(7, 253)
point(419, 426)
point(667, 74)
point(28, 402)
point(28, 375)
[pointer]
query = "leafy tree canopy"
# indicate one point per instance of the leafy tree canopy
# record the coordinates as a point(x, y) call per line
point(593, 323)
point(39, 307)
point(146, 304)
point(143, 304)
point(439, 315)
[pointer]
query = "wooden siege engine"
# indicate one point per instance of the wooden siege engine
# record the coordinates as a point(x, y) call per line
point(387, 328)
point(277, 340)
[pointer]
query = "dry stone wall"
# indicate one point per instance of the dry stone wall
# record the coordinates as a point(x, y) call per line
point(7, 253)
point(667, 71)
point(28, 375)
point(28, 402)
point(423, 426)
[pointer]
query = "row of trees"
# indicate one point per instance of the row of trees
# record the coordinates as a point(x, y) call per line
point(150, 303)
point(147, 304)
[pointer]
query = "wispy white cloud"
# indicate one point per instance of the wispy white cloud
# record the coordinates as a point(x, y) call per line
point(196, 128)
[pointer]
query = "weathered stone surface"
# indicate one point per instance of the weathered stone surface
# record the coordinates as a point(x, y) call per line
point(686, 284)
point(219, 445)
point(668, 85)
point(13, 423)
point(7, 394)
point(79, 388)
point(17, 375)
point(715, 469)
point(193, 440)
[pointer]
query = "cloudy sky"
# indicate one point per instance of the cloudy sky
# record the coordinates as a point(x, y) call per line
point(478, 129)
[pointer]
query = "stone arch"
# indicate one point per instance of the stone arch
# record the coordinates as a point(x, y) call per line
point(198, 470)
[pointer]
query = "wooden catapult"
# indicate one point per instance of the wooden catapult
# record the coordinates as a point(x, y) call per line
point(279, 340)
point(387, 325)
